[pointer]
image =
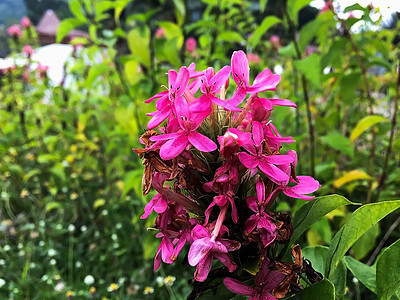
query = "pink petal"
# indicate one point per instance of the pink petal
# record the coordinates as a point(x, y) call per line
point(199, 232)
point(237, 287)
point(201, 104)
point(266, 84)
point(226, 260)
point(161, 205)
point(164, 137)
point(247, 160)
point(161, 94)
point(240, 68)
point(251, 223)
point(283, 102)
point(148, 209)
point(201, 142)
point(199, 250)
point(278, 159)
point(260, 187)
point(203, 269)
point(252, 203)
point(158, 117)
point(219, 79)
point(258, 133)
point(273, 172)
point(173, 148)
point(237, 97)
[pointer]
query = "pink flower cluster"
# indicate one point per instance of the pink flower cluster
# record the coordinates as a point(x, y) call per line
point(217, 168)
point(14, 31)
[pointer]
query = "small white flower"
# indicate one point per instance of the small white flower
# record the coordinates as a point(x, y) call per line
point(104, 212)
point(21, 253)
point(278, 69)
point(42, 223)
point(121, 281)
point(4, 195)
point(327, 70)
point(355, 280)
point(83, 228)
point(169, 280)
point(45, 277)
point(78, 264)
point(148, 290)
point(71, 228)
point(2, 282)
point(115, 245)
point(160, 280)
point(89, 279)
point(118, 226)
point(51, 252)
point(59, 226)
point(114, 237)
point(6, 248)
point(65, 163)
point(53, 261)
point(41, 243)
point(2, 262)
point(20, 246)
point(32, 265)
point(59, 286)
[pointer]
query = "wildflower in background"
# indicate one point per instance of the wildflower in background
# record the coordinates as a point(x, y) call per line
point(275, 42)
point(24, 193)
point(160, 280)
point(253, 58)
point(160, 33)
point(2, 282)
point(71, 228)
point(112, 287)
point(169, 280)
point(69, 294)
point(148, 290)
point(42, 70)
point(60, 286)
point(14, 31)
point(74, 196)
point(51, 252)
point(28, 50)
point(53, 262)
point(89, 280)
point(327, 6)
point(92, 291)
point(25, 22)
point(190, 45)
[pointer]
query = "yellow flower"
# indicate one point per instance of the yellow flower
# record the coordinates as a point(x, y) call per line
point(30, 156)
point(57, 277)
point(113, 287)
point(74, 196)
point(92, 290)
point(169, 280)
point(24, 193)
point(148, 290)
point(69, 294)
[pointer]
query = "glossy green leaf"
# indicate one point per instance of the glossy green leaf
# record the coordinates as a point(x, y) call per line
point(294, 6)
point(364, 124)
point(364, 273)
point(314, 210)
point(388, 271)
point(66, 26)
point(339, 142)
point(360, 222)
point(138, 42)
point(310, 67)
point(322, 290)
point(318, 256)
point(119, 7)
point(260, 30)
point(338, 278)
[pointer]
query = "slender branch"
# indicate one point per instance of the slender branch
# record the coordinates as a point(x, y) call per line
point(383, 241)
point(311, 133)
point(383, 176)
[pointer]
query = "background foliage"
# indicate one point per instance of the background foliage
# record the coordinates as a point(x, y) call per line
point(71, 186)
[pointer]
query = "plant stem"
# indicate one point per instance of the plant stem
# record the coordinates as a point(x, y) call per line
point(383, 176)
point(311, 133)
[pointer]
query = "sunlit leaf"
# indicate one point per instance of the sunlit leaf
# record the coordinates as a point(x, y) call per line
point(387, 271)
point(310, 67)
point(364, 124)
point(339, 142)
point(260, 30)
point(350, 177)
point(66, 26)
point(364, 273)
point(321, 290)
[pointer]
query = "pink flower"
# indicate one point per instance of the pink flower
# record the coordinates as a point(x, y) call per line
point(185, 137)
point(205, 247)
point(25, 22)
point(160, 33)
point(265, 81)
point(14, 31)
point(266, 163)
point(275, 41)
point(265, 281)
point(190, 44)
point(168, 101)
point(28, 50)
point(328, 6)
point(42, 70)
point(253, 58)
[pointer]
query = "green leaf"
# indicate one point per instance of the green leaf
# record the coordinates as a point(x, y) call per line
point(319, 256)
point(366, 242)
point(364, 124)
point(98, 203)
point(339, 142)
point(266, 24)
point(360, 222)
point(76, 8)
point(288, 50)
point(354, 7)
point(310, 67)
point(95, 72)
point(314, 210)
point(229, 36)
point(180, 11)
point(131, 71)
point(263, 4)
point(103, 6)
point(387, 271)
point(119, 7)
point(338, 278)
point(66, 26)
point(364, 273)
point(294, 7)
point(138, 42)
point(322, 290)
point(133, 180)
